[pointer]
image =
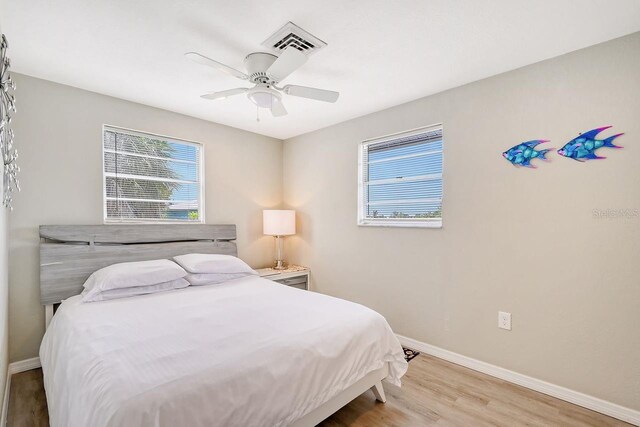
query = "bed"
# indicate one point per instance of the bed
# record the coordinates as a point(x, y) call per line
point(249, 352)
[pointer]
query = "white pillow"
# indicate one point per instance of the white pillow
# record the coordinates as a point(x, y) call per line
point(213, 278)
point(210, 263)
point(130, 275)
point(136, 290)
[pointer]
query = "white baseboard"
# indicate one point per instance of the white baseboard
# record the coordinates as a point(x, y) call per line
point(24, 365)
point(15, 368)
point(595, 404)
point(5, 401)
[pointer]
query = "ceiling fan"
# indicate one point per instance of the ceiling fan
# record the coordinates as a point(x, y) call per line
point(265, 71)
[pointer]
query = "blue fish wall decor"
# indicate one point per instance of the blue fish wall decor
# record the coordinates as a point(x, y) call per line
point(583, 147)
point(523, 153)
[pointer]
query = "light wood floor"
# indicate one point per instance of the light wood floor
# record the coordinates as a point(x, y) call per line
point(433, 393)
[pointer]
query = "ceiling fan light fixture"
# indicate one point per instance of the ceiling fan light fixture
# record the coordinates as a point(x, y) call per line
point(266, 71)
point(263, 97)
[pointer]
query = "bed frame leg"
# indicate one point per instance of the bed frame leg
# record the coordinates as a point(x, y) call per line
point(378, 391)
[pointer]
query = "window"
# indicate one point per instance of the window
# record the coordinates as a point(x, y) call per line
point(400, 179)
point(151, 178)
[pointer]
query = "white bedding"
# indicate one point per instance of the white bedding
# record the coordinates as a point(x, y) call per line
point(249, 352)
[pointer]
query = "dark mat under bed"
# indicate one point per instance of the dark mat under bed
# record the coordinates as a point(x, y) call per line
point(409, 353)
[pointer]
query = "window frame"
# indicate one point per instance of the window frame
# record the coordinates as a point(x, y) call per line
point(362, 219)
point(200, 173)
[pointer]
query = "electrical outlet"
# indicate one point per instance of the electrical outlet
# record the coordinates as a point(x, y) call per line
point(447, 323)
point(504, 320)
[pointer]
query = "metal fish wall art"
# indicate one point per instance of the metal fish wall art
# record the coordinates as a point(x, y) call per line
point(523, 153)
point(584, 146)
point(581, 148)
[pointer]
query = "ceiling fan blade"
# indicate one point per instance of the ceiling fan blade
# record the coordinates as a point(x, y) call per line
point(224, 93)
point(289, 61)
point(278, 110)
point(311, 93)
point(201, 59)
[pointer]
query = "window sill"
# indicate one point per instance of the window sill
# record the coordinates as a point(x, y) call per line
point(401, 224)
point(163, 222)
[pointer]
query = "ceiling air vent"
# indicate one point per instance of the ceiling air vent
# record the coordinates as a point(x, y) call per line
point(290, 35)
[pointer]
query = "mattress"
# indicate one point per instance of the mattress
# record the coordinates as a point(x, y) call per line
point(249, 352)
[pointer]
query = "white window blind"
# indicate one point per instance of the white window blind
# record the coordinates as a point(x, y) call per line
point(400, 180)
point(150, 178)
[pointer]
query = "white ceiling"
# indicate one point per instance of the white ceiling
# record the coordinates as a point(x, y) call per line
point(380, 53)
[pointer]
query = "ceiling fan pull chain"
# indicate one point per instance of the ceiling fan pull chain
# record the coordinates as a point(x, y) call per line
point(257, 114)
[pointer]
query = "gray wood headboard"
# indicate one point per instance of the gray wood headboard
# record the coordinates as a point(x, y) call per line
point(70, 253)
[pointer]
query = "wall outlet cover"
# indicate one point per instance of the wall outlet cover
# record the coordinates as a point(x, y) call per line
point(504, 320)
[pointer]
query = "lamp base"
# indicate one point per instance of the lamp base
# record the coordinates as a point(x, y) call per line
point(279, 265)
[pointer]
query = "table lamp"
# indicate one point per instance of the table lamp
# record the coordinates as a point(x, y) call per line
point(279, 223)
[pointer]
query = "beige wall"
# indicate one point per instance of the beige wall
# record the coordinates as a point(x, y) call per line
point(523, 241)
point(58, 132)
point(4, 292)
point(4, 284)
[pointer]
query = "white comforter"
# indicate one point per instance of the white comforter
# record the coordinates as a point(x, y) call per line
point(249, 352)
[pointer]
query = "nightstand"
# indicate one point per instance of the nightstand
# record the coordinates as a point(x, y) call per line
point(294, 275)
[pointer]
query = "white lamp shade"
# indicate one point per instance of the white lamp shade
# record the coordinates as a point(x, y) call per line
point(279, 222)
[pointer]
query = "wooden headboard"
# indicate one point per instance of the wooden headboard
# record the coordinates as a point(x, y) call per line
point(70, 253)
